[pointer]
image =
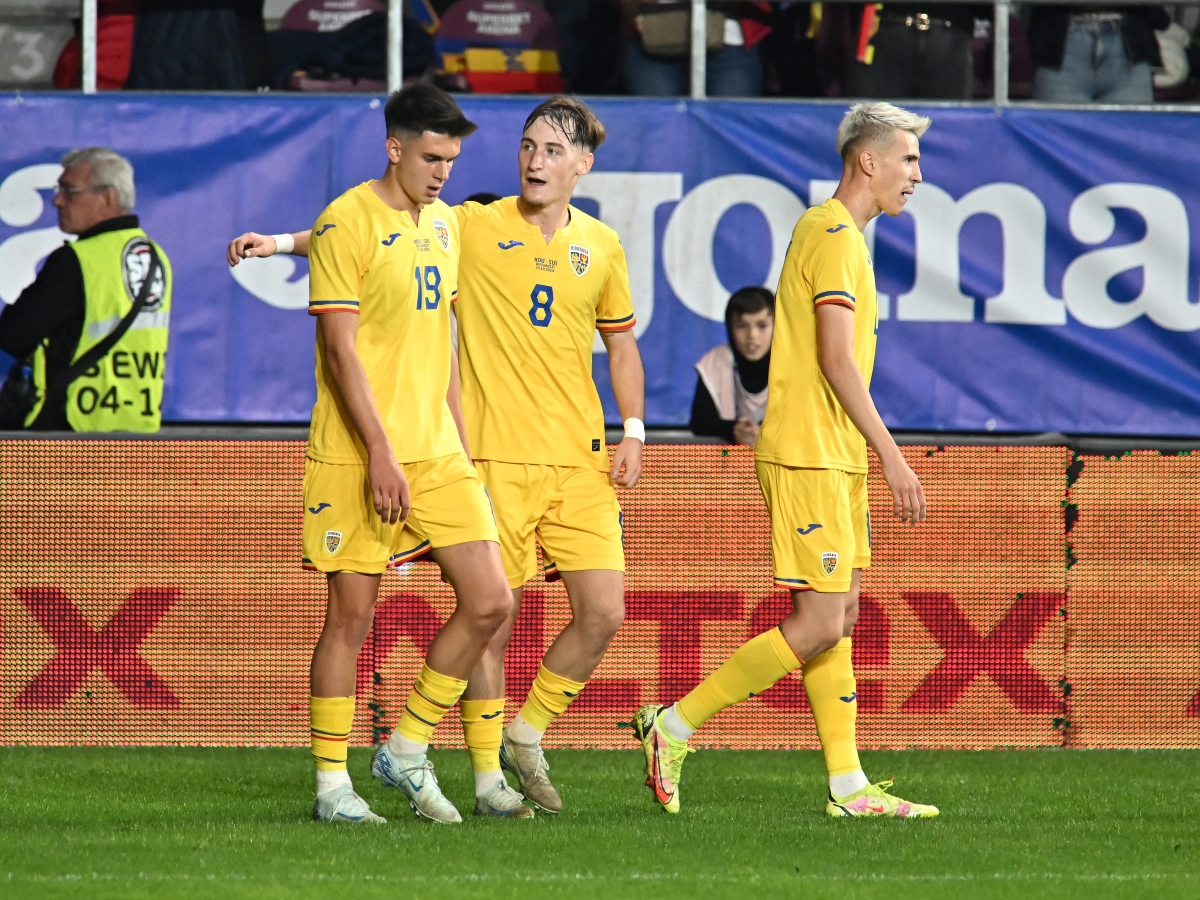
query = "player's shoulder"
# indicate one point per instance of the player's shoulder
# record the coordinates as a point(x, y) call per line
point(590, 230)
point(441, 213)
point(593, 227)
point(350, 201)
point(344, 213)
point(472, 212)
point(827, 228)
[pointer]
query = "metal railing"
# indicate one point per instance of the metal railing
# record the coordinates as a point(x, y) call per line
point(699, 54)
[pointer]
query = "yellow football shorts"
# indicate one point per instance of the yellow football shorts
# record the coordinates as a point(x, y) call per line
point(820, 526)
point(343, 532)
point(572, 511)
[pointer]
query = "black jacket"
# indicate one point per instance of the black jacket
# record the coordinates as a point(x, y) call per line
point(53, 308)
point(706, 421)
point(1048, 26)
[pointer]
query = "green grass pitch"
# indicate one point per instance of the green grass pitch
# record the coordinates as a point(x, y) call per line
point(193, 823)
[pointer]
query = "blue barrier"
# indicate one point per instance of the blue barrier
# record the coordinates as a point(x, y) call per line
point(1042, 279)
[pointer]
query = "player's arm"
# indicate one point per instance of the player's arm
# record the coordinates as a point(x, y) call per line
point(835, 355)
point(252, 245)
point(629, 387)
point(389, 487)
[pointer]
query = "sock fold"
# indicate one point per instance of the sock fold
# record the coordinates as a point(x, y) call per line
point(483, 728)
point(428, 702)
point(549, 697)
point(833, 696)
point(330, 720)
point(753, 667)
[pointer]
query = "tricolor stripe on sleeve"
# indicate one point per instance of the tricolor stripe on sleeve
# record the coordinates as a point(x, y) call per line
point(315, 307)
point(841, 298)
point(622, 324)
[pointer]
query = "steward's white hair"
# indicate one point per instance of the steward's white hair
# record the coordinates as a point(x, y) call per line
point(109, 170)
point(876, 122)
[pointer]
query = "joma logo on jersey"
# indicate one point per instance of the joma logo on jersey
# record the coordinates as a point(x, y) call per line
point(829, 562)
point(581, 257)
point(442, 233)
point(333, 540)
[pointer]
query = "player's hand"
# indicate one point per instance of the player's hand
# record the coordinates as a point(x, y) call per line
point(627, 463)
point(250, 246)
point(745, 432)
point(389, 488)
point(908, 498)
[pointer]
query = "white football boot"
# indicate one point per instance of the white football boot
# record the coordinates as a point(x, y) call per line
point(413, 776)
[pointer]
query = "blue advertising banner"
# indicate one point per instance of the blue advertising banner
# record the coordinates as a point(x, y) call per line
point(1043, 277)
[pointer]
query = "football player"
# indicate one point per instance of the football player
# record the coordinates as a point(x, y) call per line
point(385, 477)
point(811, 462)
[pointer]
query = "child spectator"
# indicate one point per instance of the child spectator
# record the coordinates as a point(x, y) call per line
point(731, 390)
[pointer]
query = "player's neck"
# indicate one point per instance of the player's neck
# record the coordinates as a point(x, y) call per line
point(547, 218)
point(388, 190)
point(858, 201)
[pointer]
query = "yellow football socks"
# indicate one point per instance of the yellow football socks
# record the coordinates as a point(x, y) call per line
point(430, 699)
point(548, 698)
point(483, 728)
point(833, 696)
point(754, 667)
point(331, 719)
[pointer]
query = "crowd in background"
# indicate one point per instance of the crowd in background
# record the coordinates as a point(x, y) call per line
point(1072, 54)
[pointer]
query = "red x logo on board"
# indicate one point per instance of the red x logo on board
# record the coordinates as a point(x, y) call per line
point(112, 649)
point(1001, 654)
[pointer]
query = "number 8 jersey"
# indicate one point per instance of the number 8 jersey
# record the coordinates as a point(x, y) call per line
point(527, 313)
point(400, 278)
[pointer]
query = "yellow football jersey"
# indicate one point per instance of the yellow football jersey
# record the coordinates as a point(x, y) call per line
point(368, 258)
point(827, 262)
point(527, 316)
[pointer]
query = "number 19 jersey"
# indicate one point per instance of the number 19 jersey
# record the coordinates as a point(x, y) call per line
point(528, 312)
point(400, 278)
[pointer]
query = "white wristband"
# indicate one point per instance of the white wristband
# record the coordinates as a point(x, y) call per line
point(284, 243)
point(635, 428)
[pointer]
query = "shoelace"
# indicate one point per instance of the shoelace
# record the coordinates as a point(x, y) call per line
point(427, 767)
point(675, 758)
point(880, 789)
point(542, 768)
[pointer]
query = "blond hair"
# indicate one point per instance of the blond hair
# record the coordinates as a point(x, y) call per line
point(876, 122)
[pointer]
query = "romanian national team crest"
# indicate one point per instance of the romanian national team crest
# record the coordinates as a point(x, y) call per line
point(581, 257)
point(829, 562)
point(333, 540)
point(442, 232)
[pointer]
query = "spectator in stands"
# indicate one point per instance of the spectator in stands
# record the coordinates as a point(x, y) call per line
point(731, 390)
point(915, 50)
point(658, 48)
point(90, 333)
point(1095, 55)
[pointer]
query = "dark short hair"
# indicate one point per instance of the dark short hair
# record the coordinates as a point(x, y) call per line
point(748, 301)
point(573, 118)
point(483, 197)
point(422, 107)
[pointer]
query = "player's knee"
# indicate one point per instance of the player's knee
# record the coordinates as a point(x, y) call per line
point(826, 635)
point(349, 625)
point(492, 610)
point(851, 617)
point(602, 623)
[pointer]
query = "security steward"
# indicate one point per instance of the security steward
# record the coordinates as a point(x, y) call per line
point(84, 296)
